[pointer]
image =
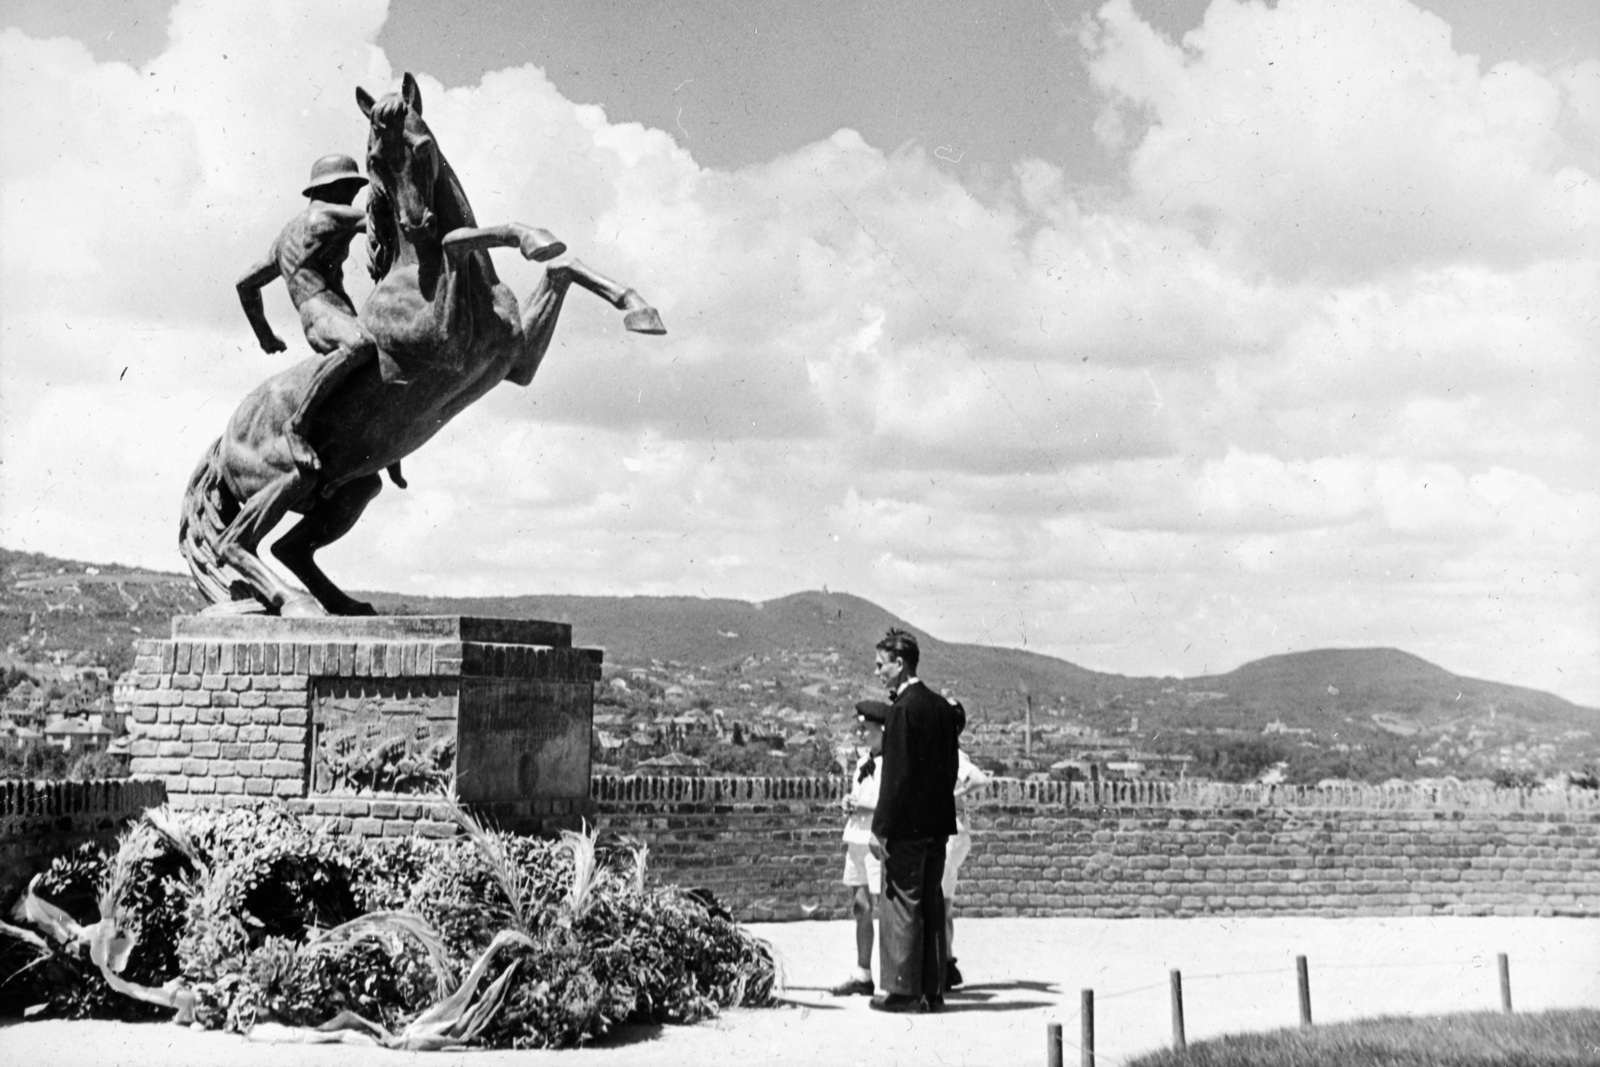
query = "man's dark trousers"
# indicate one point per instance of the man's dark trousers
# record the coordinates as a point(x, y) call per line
point(912, 951)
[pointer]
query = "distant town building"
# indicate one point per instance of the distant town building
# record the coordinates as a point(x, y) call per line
point(78, 735)
point(673, 763)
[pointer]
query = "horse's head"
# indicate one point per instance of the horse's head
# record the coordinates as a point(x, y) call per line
point(404, 166)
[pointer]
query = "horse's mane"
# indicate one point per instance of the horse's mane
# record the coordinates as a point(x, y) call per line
point(383, 229)
point(448, 199)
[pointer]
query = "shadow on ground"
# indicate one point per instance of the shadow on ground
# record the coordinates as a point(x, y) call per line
point(627, 1034)
point(990, 988)
point(990, 997)
point(974, 997)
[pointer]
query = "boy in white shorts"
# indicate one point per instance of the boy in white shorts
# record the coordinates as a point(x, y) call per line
point(968, 775)
point(863, 871)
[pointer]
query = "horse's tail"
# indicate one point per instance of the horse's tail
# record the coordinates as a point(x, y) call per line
point(208, 506)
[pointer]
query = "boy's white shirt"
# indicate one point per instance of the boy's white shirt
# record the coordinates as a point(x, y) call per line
point(858, 824)
point(968, 774)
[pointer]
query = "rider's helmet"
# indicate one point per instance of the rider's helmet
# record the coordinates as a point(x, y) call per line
point(331, 171)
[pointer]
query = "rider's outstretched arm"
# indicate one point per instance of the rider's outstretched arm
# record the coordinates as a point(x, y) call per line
point(352, 219)
point(259, 276)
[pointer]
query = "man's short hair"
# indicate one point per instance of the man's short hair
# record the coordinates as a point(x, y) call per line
point(902, 646)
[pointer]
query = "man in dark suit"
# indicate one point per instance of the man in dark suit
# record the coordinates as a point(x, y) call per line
point(916, 815)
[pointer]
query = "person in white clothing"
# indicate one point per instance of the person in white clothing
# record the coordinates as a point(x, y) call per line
point(968, 776)
point(863, 872)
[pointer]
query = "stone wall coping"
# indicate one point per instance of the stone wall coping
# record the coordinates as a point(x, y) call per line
point(184, 663)
point(30, 797)
point(103, 796)
point(1203, 796)
point(475, 628)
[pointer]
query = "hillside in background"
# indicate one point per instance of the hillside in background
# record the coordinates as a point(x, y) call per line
point(94, 611)
point(1309, 690)
point(722, 634)
point(813, 651)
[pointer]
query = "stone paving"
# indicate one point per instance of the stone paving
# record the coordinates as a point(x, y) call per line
point(1023, 974)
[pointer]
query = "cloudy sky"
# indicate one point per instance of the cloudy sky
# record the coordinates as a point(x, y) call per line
point(1159, 337)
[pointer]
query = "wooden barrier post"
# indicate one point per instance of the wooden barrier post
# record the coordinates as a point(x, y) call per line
point(1179, 1041)
point(1052, 1045)
point(1505, 983)
point(1305, 990)
point(1088, 1028)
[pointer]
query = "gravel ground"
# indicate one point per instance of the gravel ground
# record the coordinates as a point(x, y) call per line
point(1022, 974)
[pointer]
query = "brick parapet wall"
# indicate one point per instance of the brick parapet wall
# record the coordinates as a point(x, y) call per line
point(40, 820)
point(771, 848)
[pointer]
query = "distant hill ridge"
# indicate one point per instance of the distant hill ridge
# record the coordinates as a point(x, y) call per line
point(1292, 687)
point(1323, 689)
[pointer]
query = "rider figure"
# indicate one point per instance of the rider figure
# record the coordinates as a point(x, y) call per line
point(309, 256)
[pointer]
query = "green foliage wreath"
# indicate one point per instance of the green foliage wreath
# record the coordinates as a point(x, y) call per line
point(249, 916)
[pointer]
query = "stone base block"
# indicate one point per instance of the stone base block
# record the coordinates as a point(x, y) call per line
point(233, 709)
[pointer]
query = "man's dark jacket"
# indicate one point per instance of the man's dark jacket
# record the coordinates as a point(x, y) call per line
point(916, 787)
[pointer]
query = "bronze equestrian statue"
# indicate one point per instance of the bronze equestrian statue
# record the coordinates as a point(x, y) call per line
point(439, 317)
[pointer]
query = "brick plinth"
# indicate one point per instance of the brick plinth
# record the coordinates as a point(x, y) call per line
point(344, 716)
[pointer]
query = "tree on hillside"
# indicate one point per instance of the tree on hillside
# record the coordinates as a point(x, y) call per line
point(98, 764)
point(1505, 778)
point(13, 677)
point(34, 759)
point(1365, 763)
point(1233, 760)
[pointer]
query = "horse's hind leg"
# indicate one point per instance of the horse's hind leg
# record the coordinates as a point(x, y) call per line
point(328, 376)
point(330, 519)
point(256, 518)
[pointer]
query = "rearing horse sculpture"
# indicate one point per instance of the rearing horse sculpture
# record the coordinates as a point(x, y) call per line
point(441, 313)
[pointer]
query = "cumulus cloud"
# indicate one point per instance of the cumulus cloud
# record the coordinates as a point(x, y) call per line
point(1317, 375)
point(1345, 138)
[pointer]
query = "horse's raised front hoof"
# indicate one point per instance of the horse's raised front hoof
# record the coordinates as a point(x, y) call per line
point(644, 320)
point(541, 245)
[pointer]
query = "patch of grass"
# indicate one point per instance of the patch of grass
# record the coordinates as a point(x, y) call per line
point(1484, 1039)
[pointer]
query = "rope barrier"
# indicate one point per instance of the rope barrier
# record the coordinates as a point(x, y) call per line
point(1235, 974)
point(1129, 992)
point(1479, 962)
point(1091, 1052)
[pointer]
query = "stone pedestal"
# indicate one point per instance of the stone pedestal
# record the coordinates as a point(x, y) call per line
point(363, 721)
